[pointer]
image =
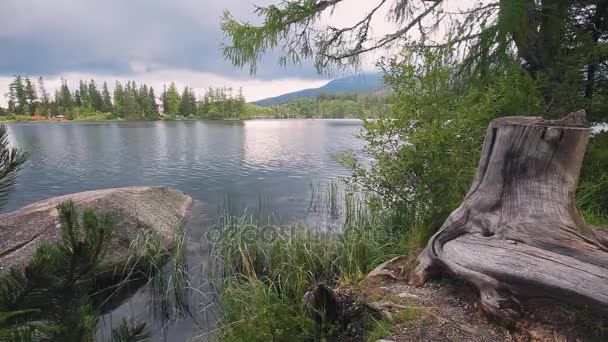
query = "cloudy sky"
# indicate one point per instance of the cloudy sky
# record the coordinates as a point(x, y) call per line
point(151, 41)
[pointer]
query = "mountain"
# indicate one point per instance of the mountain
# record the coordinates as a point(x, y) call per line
point(369, 82)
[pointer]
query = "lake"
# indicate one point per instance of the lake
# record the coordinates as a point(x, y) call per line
point(244, 160)
point(270, 166)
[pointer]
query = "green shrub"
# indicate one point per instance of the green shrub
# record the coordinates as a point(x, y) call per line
point(22, 118)
point(421, 161)
point(50, 299)
point(592, 193)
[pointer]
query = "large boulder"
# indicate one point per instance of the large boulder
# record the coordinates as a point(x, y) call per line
point(132, 209)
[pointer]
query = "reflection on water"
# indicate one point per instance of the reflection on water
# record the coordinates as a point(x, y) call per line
point(276, 159)
point(262, 165)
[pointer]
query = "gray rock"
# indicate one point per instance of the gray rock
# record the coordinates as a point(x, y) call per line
point(132, 209)
point(407, 295)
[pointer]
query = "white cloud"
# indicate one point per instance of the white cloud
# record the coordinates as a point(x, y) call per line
point(155, 42)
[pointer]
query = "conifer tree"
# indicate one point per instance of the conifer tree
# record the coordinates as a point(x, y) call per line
point(119, 95)
point(77, 99)
point(152, 101)
point(188, 102)
point(173, 100)
point(164, 98)
point(240, 103)
point(130, 108)
point(83, 90)
point(95, 99)
point(17, 96)
point(45, 99)
point(63, 98)
point(50, 299)
point(106, 100)
point(30, 96)
point(11, 160)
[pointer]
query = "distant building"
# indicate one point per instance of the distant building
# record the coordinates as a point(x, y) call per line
point(160, 108)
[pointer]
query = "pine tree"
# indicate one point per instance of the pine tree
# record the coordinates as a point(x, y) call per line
point(164, 98)
point(84, 94)
point(44, 98)
point(106, 100)
point(173, 100)
point(50, 299)
point(95, 99)
point(188, 103)
point(30, 96)
point(11, 160)
point(119, 95)
point(77, 99)
point(130, 108)
point(64, 99)
point(152, 101)
point(17, 96)
point(144, 103)
point(240, 103)
point(192, 101)
point(203, 106)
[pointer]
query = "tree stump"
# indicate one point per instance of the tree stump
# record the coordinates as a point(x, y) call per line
point(518, 233)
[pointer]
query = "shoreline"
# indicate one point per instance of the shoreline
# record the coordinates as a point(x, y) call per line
point(122, 120)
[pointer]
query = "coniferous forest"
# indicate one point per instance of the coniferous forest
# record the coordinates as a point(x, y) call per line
point(92, 101)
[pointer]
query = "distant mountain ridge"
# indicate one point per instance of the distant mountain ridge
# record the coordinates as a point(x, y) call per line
point(368, 82)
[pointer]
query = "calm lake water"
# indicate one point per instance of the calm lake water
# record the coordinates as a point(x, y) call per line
point(244, 160)
point(272, 164)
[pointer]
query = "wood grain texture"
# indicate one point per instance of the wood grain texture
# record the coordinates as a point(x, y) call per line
point(518, 232)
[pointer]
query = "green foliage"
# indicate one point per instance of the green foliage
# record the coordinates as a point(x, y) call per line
point(171, 100)
point(187, 105)
point(11, 159)
point(592, 193)
point(263, 271)
point(379, 330)
point(223, 103)
point(19, 95)
point(560, 44)
point(255, 111)
point(50, 299)
point(297, 108)
point(333, 107)
point(337, 109)
point(424, 157)
point(250, 42)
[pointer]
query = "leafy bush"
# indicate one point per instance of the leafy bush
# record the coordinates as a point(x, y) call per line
point(21, 118)
point(421, 161)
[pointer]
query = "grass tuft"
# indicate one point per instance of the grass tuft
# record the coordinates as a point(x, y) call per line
point(262, 271)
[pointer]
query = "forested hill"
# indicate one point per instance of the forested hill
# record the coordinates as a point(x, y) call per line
point(369, 82)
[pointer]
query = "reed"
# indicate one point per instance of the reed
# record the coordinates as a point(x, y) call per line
point(261, 270)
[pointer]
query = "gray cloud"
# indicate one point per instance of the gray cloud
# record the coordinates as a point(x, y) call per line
point(44, 37)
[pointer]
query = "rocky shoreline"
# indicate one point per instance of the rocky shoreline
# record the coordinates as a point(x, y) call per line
point(133, 209)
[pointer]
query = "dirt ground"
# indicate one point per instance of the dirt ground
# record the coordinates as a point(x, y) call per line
point(446, 310)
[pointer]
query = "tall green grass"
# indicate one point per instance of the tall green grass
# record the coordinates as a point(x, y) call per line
point(261, 271)
point(592, 193)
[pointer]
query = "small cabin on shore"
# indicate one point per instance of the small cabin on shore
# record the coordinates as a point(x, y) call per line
point(160, 107)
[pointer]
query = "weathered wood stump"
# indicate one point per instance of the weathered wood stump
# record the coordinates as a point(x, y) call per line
point(518, 233)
